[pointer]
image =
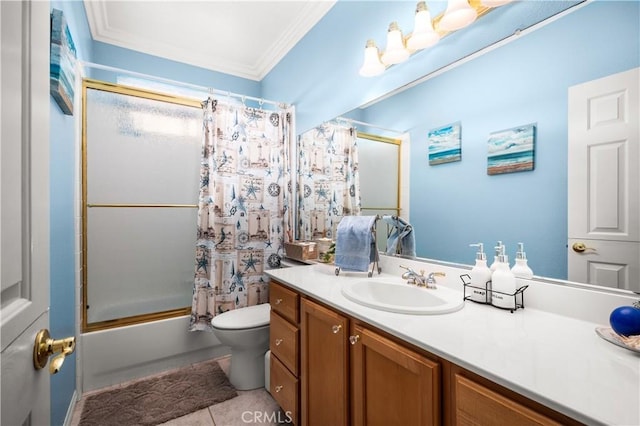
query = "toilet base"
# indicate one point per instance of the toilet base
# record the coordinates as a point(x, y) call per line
point(247, 369)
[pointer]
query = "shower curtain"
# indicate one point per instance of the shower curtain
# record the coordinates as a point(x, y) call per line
point(328, 180)
point(243, 209)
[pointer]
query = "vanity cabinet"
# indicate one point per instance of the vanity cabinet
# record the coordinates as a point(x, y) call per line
point(351, 374)
point(342, 371)
point(284, 344)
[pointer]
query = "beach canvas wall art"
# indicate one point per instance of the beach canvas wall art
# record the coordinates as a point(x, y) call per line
point(62, 64)
point(511, 150)
point(445, 144)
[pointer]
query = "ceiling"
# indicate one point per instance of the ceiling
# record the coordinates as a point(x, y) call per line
point(242, 38)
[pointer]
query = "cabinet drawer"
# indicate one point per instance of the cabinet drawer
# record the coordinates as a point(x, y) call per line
point(478, 405)
point(283, 342)
point(284, 388)
point(284, 301)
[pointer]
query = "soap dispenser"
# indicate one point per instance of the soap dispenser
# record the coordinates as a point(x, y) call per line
point(503, 283)
point(480, 276)
point(497, 248)
point(521, 269)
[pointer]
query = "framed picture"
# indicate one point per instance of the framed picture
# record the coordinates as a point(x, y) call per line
point(511, 150)
point(62, 75)
point(444, 144)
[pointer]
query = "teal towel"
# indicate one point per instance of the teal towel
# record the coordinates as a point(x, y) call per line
point(355, 245)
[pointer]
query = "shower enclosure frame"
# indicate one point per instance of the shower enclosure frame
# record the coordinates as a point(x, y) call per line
point(85, 206)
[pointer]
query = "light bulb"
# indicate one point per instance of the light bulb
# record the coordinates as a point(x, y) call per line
point(423, 35)
point(395, 51)
point(458, 15)
point(371, 65)
point(494, 3)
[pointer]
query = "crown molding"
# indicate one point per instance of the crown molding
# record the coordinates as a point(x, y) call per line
point(101, 30)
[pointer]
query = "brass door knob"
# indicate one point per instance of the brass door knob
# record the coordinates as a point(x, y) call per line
point(581, 247)
point(354, 339)
point(336, 328)
point(45, 346)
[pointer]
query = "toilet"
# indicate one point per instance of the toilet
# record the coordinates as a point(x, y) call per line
point(246, 331)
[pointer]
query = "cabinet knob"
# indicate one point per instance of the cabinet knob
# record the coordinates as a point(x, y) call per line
point(278, 301)
point(278, 388)
point(278, 342)
point(354, 339)
point(336, 328)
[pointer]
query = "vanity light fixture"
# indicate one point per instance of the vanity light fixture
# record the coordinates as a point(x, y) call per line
point(396, 51)
point(372, 65)
point(423, 35)
point(495, 3)
point(426, 33)
point(458, 15)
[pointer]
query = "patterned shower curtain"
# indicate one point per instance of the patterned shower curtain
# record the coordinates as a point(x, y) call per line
point(243, 209)
point(328, 180)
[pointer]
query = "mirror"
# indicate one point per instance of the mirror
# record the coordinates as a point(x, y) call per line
point(522, 82)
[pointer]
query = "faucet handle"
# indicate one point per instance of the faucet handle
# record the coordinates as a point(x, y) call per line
point(431, 278)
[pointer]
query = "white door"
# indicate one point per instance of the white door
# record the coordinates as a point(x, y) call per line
point(24, 216)
point(604, 182)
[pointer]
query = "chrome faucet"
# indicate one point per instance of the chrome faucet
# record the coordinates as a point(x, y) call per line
point(420, 280)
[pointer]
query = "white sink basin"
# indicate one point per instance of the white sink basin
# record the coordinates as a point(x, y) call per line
point(400, 297)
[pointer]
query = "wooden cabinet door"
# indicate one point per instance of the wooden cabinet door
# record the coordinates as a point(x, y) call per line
point(283, 341)
point(324, 366)
point(391, 385)
point(478, 405)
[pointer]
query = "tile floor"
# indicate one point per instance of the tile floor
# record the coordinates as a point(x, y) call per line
point(255, 407)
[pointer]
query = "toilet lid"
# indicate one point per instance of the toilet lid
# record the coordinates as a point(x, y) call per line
point(249, 317)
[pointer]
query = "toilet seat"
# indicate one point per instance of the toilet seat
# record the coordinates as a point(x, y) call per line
point(243, 318)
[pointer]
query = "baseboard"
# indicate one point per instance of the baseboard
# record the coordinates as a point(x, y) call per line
point(71, 409)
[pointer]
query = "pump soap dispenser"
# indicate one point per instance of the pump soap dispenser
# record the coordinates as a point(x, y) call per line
point(480, 277)
point(497, 248)
point(503, 283)
point(521, 269)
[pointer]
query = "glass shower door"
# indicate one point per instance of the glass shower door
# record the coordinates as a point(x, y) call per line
point(140, 180)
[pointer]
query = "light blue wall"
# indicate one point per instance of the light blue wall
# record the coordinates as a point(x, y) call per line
point(523, 82)
point(62, 218)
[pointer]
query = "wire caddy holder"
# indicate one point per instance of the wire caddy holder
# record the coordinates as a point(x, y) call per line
point(374, 256)
point(517, 297)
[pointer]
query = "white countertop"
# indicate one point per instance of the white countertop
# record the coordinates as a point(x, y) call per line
point(556, 360)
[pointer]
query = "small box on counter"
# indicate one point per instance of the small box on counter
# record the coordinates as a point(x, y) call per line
point(301, 250)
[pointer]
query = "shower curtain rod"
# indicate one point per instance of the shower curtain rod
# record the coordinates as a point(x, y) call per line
point(352, 121)
point(209, 90)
